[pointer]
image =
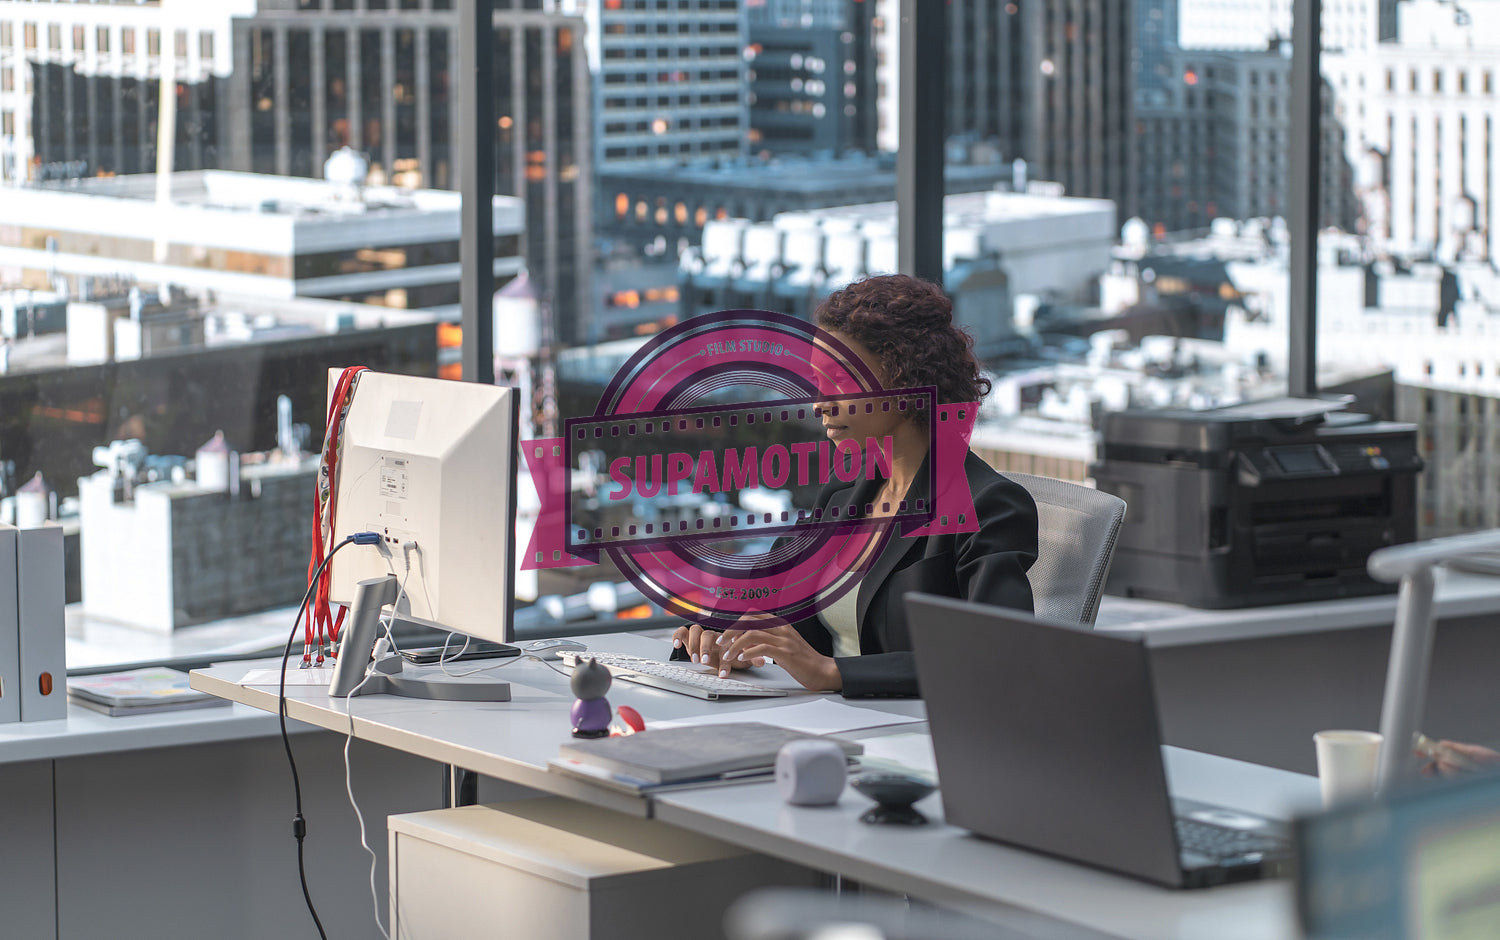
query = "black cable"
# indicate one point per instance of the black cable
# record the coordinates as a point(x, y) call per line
point(299, 824)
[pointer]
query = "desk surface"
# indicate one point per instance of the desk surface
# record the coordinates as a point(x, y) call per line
point(85, 732)
point(1456, 594)
point(1013, 886)
point(513, 741)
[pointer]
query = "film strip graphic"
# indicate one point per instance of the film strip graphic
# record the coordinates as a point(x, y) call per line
point(688, 565)
point(708, 455)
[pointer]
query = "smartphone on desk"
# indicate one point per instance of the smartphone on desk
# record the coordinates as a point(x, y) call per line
point(429, 655)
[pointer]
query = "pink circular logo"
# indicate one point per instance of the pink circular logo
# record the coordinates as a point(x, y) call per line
point(704, 473)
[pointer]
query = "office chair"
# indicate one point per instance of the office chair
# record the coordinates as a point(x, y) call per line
point(1077, 529)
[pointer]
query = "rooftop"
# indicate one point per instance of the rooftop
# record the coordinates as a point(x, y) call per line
point(808, 176)
point(264, 194)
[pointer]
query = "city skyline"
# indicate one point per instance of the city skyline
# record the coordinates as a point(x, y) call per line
point(675, 104)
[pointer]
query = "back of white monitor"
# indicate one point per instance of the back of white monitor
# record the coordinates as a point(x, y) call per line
point(431, 465)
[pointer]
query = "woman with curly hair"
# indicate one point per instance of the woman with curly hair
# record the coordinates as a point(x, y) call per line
point(902, 328)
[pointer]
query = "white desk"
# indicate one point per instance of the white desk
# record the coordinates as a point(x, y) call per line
point(1456, 594)
point(1014, 887)
point(514, 740)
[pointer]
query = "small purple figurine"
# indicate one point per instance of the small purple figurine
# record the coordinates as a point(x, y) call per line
point(591, 713)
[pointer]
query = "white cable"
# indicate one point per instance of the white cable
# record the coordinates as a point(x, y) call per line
point(508, 661)
point(444, 660)
point(386, 622)
point(381, 646)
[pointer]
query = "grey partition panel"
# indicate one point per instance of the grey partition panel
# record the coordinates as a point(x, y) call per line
point(197, 841)
point(1261, 699)
point(26, 883)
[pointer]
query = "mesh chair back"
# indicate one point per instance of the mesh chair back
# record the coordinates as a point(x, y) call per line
point(1077, 528)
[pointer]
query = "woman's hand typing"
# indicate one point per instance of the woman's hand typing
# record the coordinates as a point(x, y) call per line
point(739, 648)
point(703, 649)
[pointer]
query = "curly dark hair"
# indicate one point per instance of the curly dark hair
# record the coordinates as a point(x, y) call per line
point(908, 323)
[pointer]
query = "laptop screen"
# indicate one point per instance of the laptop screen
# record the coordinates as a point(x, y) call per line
point(1046, 736)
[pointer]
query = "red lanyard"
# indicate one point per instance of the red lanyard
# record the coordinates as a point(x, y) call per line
point(321, 628)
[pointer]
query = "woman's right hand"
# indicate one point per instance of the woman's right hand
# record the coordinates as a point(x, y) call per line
point(1446, 758)
point(702, 647)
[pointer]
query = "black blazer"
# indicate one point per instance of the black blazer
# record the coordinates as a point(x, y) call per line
point(988, 566)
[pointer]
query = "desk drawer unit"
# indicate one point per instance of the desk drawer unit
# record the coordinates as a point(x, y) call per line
point(555, 869)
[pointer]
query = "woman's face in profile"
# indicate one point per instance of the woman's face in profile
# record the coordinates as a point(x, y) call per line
point(847, 418)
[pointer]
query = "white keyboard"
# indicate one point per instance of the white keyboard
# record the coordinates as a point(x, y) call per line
point(674, 677)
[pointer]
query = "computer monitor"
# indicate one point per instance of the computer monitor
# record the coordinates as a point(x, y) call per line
point(1415, 863)
point(430, 465)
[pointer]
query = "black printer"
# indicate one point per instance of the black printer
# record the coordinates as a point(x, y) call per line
point(1266, 503)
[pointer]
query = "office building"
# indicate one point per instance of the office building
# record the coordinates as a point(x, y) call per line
point(164, 555)
point(1421, 118)
point(656, 213)
point(1349, 25)
point(811, 77)
point(1048, 81)
point(674, 203)
point(667, 87)
point(384, 80)
point(1155, 37)
point(1411, 105)
point(275, 87)
point(1180, 141)
point(997, 246)
point(80, 85)
point(1214, 142)
point(247, 233)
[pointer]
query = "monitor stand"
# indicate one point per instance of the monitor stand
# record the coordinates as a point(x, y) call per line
point(358, 645)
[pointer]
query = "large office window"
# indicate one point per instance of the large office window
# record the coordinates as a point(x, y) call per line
point(1154, 141)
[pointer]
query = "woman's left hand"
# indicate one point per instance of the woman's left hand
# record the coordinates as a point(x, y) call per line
point(790, 651)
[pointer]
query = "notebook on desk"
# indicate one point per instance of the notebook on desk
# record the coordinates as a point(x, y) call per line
point(1046, 736)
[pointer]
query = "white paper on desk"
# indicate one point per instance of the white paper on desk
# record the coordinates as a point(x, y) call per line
point(316, 675)
point(819, 716)
point(909, 750)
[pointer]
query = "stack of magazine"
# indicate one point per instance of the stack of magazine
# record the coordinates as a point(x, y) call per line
point(683, 757)
point(138, 691)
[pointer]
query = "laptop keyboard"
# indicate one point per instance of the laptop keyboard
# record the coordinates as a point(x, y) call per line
point(1220, 842)
point(673, 677)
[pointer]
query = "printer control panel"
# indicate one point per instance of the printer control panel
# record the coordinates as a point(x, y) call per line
point(1312, 460)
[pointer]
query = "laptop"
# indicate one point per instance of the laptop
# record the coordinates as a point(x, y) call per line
point(1046, 737)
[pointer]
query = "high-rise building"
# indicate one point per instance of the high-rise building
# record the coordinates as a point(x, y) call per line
point(275, 86)
point(1077, 103)
point(80, 85)
point(668, 86)
point(312, 76)
point(1049, 81)
point(1155, 39)
point(1422, 120)
point(1214, 142)
point(811, 76)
